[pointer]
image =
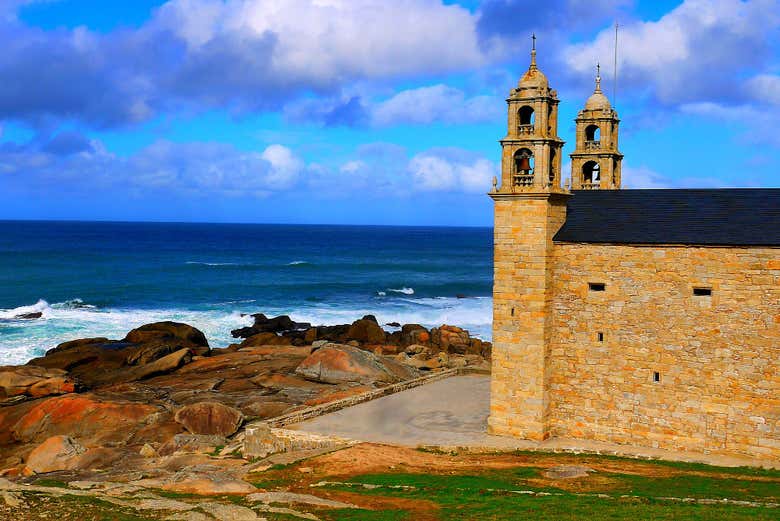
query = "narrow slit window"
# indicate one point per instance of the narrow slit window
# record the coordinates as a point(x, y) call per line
point(702, 292)
point(656, 376)
point(597, 286)
point(600, 336)
point(513, 311)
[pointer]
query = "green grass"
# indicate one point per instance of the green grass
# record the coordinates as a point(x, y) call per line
point(47, 482)
point(691, 485)
point(489, 497)
point(358, 514)
point(679, 465)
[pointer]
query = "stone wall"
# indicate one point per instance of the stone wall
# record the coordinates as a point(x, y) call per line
point(716, 357)
point(522, 296)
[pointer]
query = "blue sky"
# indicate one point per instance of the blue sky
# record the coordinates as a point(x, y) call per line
point(359, 111)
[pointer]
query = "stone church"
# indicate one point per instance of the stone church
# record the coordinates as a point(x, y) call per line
point(641, 317)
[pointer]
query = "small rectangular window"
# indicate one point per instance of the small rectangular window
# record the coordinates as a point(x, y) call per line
point(513, 311)
point(600, 336)
point(656, 376)
point(597, 286)
point(702, 292)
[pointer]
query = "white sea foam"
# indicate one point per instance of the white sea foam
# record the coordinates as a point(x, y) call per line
point(381, 294)
point(473, 314)
point(298, 263)
point(198, 263)
point(39, 307)
point(21, 340)
point(404, 290)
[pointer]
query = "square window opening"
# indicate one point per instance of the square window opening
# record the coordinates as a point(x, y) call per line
point(597, 286)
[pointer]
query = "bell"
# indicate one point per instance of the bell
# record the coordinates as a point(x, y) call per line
point(524, 165)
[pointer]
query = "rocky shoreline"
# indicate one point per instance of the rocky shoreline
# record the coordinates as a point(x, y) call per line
point(160, 404)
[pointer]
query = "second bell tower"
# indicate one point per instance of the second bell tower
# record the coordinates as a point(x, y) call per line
point(596, 160)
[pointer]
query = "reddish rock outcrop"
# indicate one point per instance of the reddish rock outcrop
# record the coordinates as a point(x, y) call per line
point(338, 363)
point(210, 418)
point(83, 417)
point(366, 331)
point(169, 333)
point(150, 350)
point(35, 382)
point(56, 453)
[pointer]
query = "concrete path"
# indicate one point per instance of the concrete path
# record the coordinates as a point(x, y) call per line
point(453, 413)
point(450, 412)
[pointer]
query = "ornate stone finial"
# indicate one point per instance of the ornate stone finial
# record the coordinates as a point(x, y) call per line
point(598, 78)
point(533, 51)
point(495, 184)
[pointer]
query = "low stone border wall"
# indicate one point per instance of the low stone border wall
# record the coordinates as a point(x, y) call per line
point(261, 441)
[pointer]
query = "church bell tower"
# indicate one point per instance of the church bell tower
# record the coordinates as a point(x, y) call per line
point(530, 207)
point(531, 150)
point(596, 161)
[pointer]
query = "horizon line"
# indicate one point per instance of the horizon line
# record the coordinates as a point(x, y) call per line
point(111, 221)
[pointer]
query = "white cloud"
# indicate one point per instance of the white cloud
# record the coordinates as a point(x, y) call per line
point(696, 52)
point(436, 103)
point(643, 177)
point(285, 167)
point(331, 39)
point(765, 88)
point(432, 171)
point(351, 167)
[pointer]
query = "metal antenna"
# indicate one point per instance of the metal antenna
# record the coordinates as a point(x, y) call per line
point(614, 78)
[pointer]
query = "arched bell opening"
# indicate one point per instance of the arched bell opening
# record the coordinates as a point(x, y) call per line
point(523, 167)
point(591, 175)
point(553, 171)
point(592, 136)
point(525, 120)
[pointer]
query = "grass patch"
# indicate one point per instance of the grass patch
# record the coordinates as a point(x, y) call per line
point(47, 482)
point(678, 465)
point(698, 486)
point(358, 514)
point(493, 496)
point(176, 495)
point(217, 450)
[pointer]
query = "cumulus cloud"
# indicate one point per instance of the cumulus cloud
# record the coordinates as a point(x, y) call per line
point(436, 103)
point(699, 51)
point(765, 88)
point(243, 55)
point(77, 164)
point(644, 177)
point(451, 170)
point(189, 169)
point(756, 122)
point(419, 106)
point(506, 25)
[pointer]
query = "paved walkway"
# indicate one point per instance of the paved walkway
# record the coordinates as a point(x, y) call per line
point(450, 412)
point(453, 413)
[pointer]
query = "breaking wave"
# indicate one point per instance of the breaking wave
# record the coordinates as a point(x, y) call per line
point(22, 340)
point(404, 290)
point(198, 263)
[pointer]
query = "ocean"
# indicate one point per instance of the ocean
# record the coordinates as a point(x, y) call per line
point(92, 279)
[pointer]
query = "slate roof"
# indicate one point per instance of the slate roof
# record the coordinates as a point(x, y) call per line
point(724, 217)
